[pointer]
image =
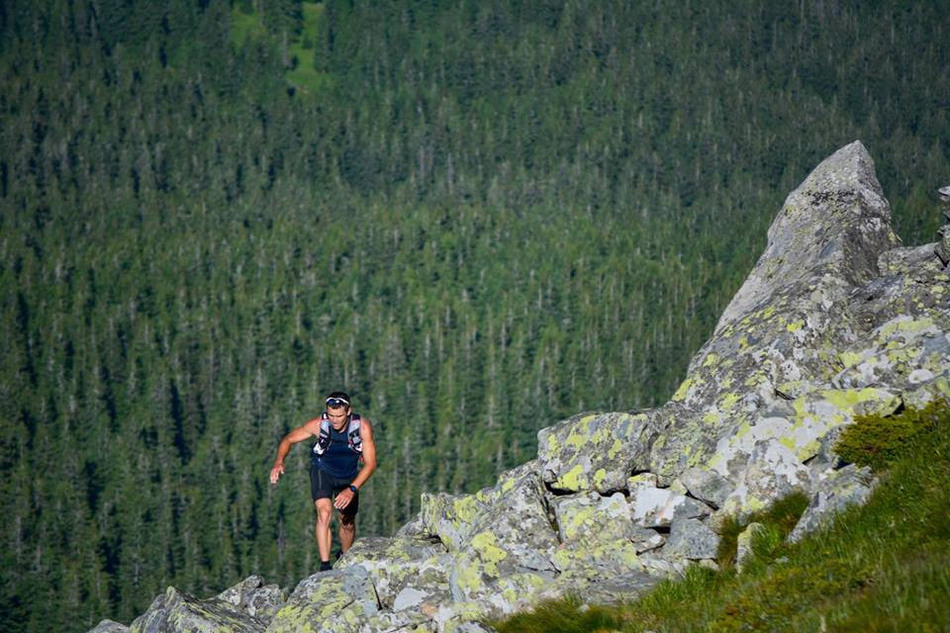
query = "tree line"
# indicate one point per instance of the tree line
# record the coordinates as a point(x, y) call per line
point(479, 218)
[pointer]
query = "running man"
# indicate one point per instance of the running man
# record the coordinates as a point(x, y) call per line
point(344, 439)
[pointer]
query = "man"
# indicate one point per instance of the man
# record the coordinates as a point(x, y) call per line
point(343, 440)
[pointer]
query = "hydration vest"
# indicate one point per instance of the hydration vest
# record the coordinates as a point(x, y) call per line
point(352, 435)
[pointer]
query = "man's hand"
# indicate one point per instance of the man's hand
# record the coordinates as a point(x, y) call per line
point(276, 472)
point(343, 499)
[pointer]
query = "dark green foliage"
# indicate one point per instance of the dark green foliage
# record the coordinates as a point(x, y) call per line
point(477, 217)
point(876, 441)
point(780, 516)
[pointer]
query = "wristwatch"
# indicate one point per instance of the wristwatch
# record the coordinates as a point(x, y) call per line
point(354, 489)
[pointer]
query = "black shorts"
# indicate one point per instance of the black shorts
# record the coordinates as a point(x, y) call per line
point(325, 486)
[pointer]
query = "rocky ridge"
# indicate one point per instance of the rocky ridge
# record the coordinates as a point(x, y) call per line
point(836, 319)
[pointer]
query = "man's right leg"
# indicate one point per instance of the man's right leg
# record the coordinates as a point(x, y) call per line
point(322, 530)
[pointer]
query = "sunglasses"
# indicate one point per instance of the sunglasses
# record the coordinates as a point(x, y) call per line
point(333, 403)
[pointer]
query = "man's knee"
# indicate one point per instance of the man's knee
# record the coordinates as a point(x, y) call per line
point(347, 523)
point(324, 510)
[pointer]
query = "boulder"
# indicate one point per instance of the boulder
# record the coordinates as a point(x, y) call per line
point(691, 539)
point(706, 485)
point(176, 611)
point(388, 621)
point(840, 490)
point(654, 507)
point(596, 451)
point(500, 542)
point(407, 572)
point(775, 341)
point(598, 538)
point(328, 602)
point(836, 223)
point(255, 598)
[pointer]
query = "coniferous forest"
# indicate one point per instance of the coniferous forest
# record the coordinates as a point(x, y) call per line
point(478, 217)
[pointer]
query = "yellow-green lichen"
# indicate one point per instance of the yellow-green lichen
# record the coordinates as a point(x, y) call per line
point(468, 576)
point(683, 389)
point(572, 479)
point(848, 399)
point(711, 359)
point(795, 326)
point(728, 401)
point(466, 508)
point(486, 546)
point(849, 359)
point(615, 449)
point(912, 326)
point(599, 478)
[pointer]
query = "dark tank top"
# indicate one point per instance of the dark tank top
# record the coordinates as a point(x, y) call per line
point(339, 460)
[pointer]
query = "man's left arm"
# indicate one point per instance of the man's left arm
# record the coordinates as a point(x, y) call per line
point(369, 464)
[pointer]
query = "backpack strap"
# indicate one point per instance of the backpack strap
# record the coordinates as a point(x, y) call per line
point(353, 439)
point(353, 433)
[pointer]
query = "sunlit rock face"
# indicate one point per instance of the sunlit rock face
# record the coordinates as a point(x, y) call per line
point(836, 320)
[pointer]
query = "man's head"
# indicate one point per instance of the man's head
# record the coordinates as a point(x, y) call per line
point(338, 407)
point(337, 400)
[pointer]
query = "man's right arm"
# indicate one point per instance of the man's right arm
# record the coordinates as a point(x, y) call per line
point(297, 435)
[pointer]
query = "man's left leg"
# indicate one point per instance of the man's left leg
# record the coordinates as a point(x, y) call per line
point(347, 531)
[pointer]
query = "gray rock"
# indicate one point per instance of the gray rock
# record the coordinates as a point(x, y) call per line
point(175, 611)
point(405, 621)
point(744, 543)
point(943, 244)
point(840, 490)
point(707, 486)
point(108, 626)
point(776, 340)
point(619, 589)
point(415, 527)
point(598, 538)
point(659, 507)
point(837, 222)
point(691, 539)
point(500, 542)
point(596, 451)
point(255, 598)
point(330, 602)
point(398, 564)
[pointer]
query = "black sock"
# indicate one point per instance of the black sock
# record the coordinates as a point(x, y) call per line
point(325, 565)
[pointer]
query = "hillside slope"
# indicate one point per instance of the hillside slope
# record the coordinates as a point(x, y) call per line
point(837, 319)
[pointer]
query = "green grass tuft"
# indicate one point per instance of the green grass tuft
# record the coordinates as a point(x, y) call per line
point(779, 518)
point(884, 566)
point(568, 615)
point(876, 441)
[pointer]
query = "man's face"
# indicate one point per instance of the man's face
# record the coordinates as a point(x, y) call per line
point(338, 415)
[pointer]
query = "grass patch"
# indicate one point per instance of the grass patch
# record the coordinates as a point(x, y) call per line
point(882, 567)
point(876, 441)
point(243, 26)
point(304, 75)
point(779, 520)
point(302, 49)
point(569, 615)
